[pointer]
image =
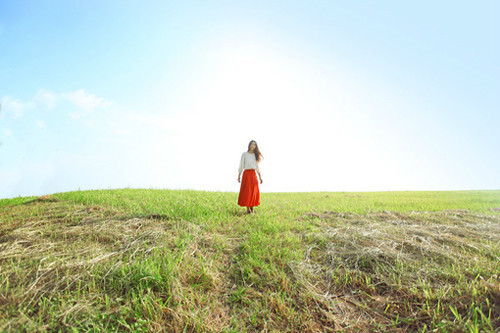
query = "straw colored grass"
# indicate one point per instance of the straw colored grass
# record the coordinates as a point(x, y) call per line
point(408, 270)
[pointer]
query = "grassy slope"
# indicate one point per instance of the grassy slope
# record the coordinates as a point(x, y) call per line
point(163, 260)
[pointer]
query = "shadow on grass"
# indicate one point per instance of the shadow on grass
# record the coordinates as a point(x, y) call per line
point(161, 217)
point(239, 212)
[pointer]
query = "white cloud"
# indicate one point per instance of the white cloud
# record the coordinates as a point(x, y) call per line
point(86, 101)
point(15, 107)
point(7, 132)
point(40, 124)
point(45, 98)
point(83, 102)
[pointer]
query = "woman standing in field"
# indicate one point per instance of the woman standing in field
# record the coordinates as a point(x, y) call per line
point(249, 190)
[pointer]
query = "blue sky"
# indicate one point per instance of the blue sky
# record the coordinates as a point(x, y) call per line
point(339, 95)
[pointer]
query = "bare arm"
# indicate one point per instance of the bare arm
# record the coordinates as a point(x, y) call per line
point(258, 172)
point(240, 168)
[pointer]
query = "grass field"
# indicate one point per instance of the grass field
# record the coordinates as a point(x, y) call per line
point(144, 260)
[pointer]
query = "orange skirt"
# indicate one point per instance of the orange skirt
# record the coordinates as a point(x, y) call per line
point(249, 189)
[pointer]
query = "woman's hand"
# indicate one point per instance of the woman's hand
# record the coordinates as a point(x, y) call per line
point(261, 180)
point(239, 180)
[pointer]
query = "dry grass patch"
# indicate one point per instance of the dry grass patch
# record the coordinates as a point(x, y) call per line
point(405, 271)
point(49, 249)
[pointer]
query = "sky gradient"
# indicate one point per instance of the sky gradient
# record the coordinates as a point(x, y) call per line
point(339, 95)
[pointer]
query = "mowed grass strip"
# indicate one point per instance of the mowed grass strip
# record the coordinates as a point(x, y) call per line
point(192, 261)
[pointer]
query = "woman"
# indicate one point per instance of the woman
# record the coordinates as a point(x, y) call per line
point(249, 190)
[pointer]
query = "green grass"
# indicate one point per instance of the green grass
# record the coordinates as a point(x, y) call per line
point(144, 260)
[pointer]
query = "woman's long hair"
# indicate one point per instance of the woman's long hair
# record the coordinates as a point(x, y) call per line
point(256, 151)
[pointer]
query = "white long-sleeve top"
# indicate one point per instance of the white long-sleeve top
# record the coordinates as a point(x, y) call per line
point(248, 161)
